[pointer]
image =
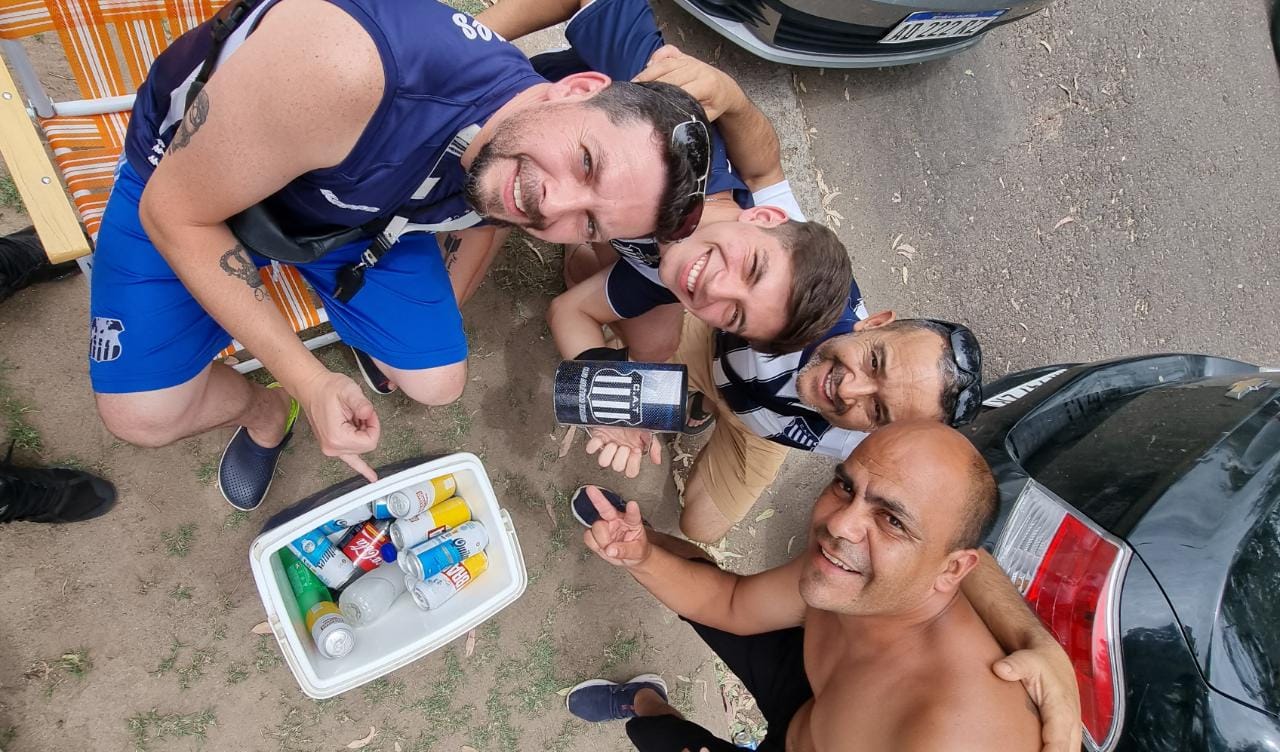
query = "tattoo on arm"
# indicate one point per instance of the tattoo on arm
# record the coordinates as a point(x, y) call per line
point(451, 243)
point(196, 115)
point(236, 263)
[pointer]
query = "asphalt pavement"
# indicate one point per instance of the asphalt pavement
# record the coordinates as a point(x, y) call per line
point(1100, 179)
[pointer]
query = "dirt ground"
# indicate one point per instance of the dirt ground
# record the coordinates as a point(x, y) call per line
point(133, 631)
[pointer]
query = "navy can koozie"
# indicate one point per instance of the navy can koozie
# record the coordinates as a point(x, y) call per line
point(620, 393)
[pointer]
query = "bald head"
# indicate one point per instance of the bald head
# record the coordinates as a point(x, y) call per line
point(936, 464)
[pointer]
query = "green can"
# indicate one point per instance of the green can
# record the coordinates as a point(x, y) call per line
point(329, 629)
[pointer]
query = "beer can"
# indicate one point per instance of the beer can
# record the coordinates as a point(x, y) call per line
point(435, 590)
point(325, 559)
point(380, 509)
point(363, 545)
point(346, 520)
point(621, 393)
point(408, 532)
point(418, 498)
point(329, 629)
point(437, 554)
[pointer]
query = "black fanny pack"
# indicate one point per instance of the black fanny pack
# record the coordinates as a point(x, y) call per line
point(258, 230)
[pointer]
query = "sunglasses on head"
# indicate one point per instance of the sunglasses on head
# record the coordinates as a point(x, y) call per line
point(691, 140)
point(967, 356)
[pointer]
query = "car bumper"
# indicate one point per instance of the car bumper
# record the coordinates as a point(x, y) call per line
point(782, 34)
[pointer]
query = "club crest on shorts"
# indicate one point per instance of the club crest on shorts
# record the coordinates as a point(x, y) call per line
point(104, 339)
point(614, 397)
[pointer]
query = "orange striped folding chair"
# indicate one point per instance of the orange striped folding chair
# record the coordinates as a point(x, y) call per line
point(108, 45)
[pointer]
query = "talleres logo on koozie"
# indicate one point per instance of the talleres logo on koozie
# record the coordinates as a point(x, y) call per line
point(614, 393)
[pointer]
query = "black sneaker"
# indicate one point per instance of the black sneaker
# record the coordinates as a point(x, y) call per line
point(585, 512)
point(246, 470)
point(23, 262)
point(373, 376)
point(30, 494)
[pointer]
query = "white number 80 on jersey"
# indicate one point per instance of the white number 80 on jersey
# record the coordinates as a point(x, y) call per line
point(472, 28)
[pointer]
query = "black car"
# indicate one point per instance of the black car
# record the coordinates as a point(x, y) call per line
point(1140, 517)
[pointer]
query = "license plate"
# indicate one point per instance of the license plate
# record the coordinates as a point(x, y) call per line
point(923, 25)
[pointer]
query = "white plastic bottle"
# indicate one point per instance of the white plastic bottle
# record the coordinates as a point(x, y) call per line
point(367, 599)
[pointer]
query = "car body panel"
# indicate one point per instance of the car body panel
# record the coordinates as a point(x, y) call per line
point(841, 33)
point(1179, 455)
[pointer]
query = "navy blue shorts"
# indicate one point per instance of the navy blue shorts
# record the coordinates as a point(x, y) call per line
point(147, 331)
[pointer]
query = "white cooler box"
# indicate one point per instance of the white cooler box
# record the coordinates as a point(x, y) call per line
point(406, 633)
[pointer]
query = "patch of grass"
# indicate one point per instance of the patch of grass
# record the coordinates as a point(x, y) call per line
point(207, 474)
point(220, 632)
point(565, 524)
point(682, 697)
point(534, 678)
point(181, 593)
point(470, 7)
point(152, 726)
point(265, 654)
point(380, 690)
point(234, 520)
point(225, 602)
point(236, 673)
point(189, 674)
point(563, 741)
point(76, 663)
point(620, 651)
point(457, 425)
point(436, 706)
point(9, 196)
point(52, 673)
point(500, 730)
point(169, 662)
point(566, 594)
point(178, 543)
point(399, 442)
point(519, 268)
point(520, 489)
point(22, 435)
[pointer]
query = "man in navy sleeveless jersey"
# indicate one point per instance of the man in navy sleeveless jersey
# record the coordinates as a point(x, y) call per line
point(401, 118)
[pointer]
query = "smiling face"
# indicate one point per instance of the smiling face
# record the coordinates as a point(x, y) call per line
point(874, 376)
point(882, 532)
point(734, 276)
point(565, 173)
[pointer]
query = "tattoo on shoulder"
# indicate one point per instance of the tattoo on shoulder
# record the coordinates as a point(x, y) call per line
point(451, 243)
point(236, 263)
point(196, 115)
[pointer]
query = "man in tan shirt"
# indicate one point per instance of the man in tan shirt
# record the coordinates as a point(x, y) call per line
point(865, 640)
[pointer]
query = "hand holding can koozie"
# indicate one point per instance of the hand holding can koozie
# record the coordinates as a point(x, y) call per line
point(621, 394)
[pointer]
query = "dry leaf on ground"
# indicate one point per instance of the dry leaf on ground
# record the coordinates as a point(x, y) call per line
point(766, 514)
point(262, 628)
point(362, 743)
point(471, 644)
point(1064, 221)
point(567, 442)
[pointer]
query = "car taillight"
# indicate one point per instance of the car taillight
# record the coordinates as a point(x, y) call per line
point(1070, 570)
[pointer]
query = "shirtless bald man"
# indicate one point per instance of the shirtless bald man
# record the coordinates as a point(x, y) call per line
point(863, 641)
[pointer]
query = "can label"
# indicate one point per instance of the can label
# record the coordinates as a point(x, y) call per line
point(437, 589)
point(381, 511)
point(324, 559)
point(346, 520)
point(364, 546)
point(416, 499)
point(437, 554)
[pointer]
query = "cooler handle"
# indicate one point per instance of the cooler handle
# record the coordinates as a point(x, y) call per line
point(511, 532)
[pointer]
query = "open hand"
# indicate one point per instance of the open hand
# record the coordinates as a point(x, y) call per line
point(342, 418)
point(617, 538)
point(1047, 675)
point(714, 89)
point(624, 449)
